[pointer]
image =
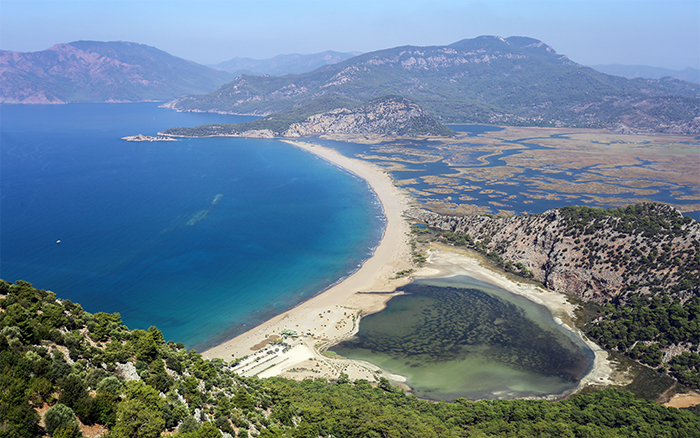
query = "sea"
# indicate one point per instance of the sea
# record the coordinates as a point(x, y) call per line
point(203, 238)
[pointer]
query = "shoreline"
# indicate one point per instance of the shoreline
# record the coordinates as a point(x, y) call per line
point(446, 261)
point(334, 314)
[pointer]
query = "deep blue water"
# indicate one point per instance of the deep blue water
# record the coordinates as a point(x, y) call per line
point(287, 225)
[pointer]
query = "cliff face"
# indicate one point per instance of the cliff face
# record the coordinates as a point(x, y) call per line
point(388, 116)
point(591, 254)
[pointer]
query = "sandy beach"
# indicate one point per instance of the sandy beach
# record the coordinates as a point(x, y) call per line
point(334, 314)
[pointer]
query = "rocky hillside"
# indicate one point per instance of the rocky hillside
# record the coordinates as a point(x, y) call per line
point(92, 71)
point(388, 115)
point(595, 254)
point(513, 81)
point(65, 372)
point(638, 269)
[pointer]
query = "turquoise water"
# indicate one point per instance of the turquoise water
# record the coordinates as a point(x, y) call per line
point(203, 238)
point(458, 337)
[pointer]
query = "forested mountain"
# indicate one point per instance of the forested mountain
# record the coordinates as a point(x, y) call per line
point(638, 268)
point(282, 65)
point(64, 370)
point(93, 71)
point(514, 81)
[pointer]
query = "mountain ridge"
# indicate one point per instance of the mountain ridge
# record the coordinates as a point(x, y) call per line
point(95, 71)
point(281, 65)
point(493, 80)
point(688, 74)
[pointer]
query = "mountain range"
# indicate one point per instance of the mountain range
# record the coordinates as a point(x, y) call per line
point(488, 79)
point(92, 71)
point(644, 71)
point(282, 65)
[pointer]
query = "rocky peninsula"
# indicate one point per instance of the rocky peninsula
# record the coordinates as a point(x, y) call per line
point(141, 138)
point(388, 115)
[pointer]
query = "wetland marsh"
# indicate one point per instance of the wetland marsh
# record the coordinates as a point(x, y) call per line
point(513, 170)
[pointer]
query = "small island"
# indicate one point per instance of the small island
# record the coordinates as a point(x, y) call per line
point(141, 137)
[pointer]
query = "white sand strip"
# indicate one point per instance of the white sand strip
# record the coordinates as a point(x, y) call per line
point(331, 315)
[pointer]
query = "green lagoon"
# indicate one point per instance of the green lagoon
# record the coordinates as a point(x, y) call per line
point(461, 338)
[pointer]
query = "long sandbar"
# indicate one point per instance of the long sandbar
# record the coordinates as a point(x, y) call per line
point(333, 314)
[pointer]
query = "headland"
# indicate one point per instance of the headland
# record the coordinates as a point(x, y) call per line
point(149, 138)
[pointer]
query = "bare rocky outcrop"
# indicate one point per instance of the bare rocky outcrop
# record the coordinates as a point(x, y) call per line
point(127, 370)
point(148, 138)
point(388, 116)
point(598, 257)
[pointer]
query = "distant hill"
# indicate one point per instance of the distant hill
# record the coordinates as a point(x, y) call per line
point(93, 71)
point(644, 71)
point(513, 81)
point(282, 65)
point(387, 115)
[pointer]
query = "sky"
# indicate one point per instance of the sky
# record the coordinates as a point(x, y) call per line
point(660, 33)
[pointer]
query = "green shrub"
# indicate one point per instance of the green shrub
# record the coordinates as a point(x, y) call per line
point(59, 416)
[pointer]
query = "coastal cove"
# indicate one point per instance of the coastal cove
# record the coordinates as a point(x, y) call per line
point(222, 243)
point(203, 238)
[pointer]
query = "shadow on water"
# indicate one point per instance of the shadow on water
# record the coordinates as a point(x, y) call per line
point(458, 337)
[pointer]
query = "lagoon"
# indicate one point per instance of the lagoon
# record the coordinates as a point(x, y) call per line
point(459, 337)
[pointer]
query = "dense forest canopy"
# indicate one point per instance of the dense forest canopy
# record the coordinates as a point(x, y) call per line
point(89, 369)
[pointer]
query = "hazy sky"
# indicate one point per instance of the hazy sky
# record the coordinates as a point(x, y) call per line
point(663, 33)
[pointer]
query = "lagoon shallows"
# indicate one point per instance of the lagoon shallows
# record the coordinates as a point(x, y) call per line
point(459, 337)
